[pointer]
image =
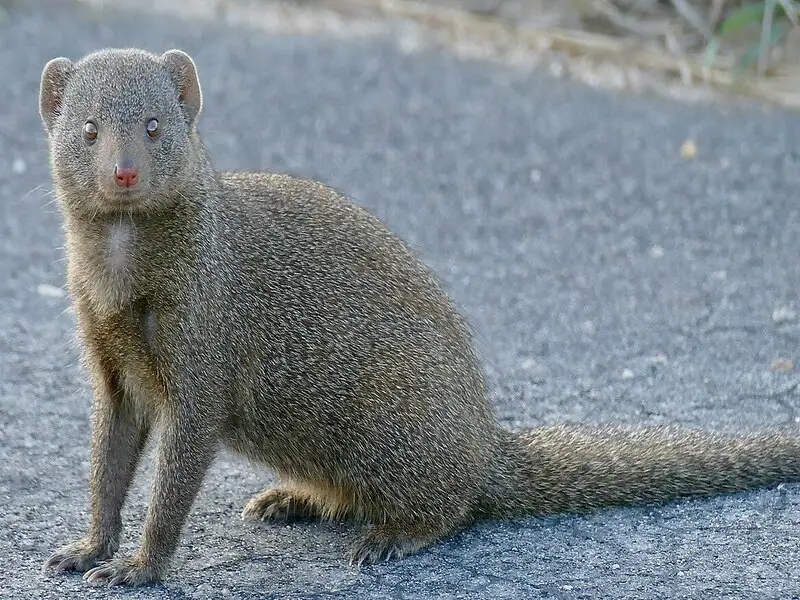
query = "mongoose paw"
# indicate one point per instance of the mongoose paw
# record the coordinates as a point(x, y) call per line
point(80, 555)
point(383, 542)
point(277, 505)
point(132, 571)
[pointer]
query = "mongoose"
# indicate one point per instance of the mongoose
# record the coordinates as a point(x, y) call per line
point(272, 314)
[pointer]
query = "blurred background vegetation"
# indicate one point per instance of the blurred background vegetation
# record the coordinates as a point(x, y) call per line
point(741, 45)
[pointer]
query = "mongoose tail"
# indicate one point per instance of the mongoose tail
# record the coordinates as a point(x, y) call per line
point(564, 468)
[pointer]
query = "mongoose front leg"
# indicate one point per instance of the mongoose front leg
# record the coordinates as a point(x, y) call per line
point(185, 452)
point(279, 505)
point(118, 436)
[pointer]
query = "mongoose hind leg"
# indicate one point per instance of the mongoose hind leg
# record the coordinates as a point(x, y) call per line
point(383, 541)
point(280, 505)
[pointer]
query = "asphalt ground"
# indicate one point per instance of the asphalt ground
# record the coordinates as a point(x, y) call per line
point(608, 278)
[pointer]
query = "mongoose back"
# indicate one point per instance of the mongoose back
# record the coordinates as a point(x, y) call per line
point(272, 314)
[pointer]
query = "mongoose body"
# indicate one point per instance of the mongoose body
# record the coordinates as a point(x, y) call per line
point(272, 314)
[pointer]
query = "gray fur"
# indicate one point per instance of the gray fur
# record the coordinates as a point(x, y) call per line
point(272, 314)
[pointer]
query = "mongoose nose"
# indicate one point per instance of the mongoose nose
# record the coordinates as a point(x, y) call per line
point(127, 177)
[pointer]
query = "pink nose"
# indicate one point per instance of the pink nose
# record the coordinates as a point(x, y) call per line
point(126, 177)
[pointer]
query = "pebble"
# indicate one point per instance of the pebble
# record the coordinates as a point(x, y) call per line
point(783, 314)
point(50, 291)
point(689, 149)
point(782, 364)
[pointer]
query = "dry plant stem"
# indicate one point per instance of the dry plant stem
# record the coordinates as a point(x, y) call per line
point(693, 18)
point(714, 13)
point(766, 28)
point(646, 29)
point(499, 37)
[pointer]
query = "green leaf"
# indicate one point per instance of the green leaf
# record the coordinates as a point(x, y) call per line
point(747, 15)
point(778, 31)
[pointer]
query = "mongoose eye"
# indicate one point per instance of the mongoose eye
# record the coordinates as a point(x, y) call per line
point(152, 127)
point(90, 131)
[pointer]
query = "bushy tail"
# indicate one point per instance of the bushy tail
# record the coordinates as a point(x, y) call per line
point(575, 469)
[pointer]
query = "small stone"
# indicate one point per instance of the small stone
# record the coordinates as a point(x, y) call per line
point(588, 327)
point(689, 149)
point(566, 587)
point(615, 566)
point(50, 291)
point(556, 68)
point(783, 314)
point(18, 167)
point(782, 364)
point(657, 251)
point(627, 374)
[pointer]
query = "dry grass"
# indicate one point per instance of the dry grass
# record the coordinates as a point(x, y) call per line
point(727, 44)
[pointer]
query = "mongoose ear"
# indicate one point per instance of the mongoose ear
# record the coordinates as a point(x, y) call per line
point(55, 75)
point(184, 74)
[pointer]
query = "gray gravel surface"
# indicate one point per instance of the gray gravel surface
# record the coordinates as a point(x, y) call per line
point(607, 278)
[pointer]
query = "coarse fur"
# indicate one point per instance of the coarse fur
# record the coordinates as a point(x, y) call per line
point(272, 314)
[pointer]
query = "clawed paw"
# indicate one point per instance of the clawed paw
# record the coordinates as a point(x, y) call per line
point(385, 542)
point(277, 505)
point(80, 556)
point(126, 571)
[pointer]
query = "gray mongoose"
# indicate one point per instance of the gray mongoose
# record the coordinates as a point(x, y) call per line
point(272, 314)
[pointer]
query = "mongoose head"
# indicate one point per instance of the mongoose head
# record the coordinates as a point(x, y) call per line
point(121, 129)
